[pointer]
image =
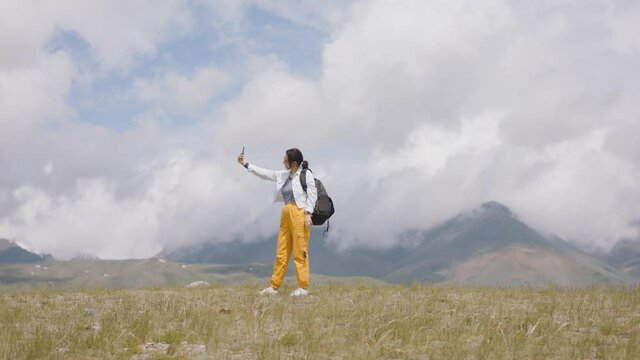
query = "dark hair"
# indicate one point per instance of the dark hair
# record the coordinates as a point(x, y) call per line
point(295, 155)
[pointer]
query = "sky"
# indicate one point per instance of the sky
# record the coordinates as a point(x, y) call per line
point(121, 121)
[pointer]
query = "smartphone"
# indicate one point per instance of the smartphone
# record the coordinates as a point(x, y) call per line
point(242, 150)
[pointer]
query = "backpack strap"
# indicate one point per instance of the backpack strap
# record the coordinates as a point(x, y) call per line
point(303, 179)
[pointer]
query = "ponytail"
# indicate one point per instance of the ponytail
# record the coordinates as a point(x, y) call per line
point(305, 165)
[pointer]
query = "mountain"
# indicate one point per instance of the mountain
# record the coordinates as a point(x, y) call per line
point(491, 246)
point(625, 256)
point(485, 246)
point(324, 259)
point(11, 253)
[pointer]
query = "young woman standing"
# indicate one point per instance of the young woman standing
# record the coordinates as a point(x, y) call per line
point(295, 220)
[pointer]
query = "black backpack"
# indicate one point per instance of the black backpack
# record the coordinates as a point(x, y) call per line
point(324, 206)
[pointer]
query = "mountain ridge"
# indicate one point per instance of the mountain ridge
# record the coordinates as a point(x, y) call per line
point(625, 255)
point(473, 247)
point(487, 245)
point(11, 253)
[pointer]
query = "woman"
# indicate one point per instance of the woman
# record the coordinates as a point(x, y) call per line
point(295, 221)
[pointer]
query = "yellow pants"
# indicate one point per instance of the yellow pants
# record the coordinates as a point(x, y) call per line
point(293, 236)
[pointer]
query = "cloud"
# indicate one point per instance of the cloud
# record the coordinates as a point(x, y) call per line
point(273, 107)
point(546, 92)
point(621, 20)
point(429, 148)
point(422, 110)
point(181, 203)
point(183, 93)
point(35, 81)
point(510, 95)
point(326, 16)
point(33, 95)
point(118, 31)
point(589, 195)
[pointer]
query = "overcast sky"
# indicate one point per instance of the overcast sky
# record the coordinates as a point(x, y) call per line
point(120, 121)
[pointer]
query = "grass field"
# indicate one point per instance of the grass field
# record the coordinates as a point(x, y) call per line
point(337, 321)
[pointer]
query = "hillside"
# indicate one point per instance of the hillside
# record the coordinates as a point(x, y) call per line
point(488, 245)
point(625, 256)
point(491, 246)
point(12, 253)
point(138, 274)
point(324, 258)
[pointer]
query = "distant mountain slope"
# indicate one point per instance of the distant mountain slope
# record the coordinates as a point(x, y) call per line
point(491, 246)
point(625, 256)
point(11, 252)
point(143, 273)
point(323, 257)
point(486, 246)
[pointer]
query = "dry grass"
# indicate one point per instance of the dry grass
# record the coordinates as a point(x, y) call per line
point(336, 322)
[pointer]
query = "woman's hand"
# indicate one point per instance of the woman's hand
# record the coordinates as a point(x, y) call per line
point(307, 221)
point(241, 159)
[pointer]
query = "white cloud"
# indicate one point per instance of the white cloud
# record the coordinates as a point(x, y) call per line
point(48, 168)
point(405, 68)
point(397, 71)
point(21, 37)
point(34, 82)
point(623, 23)
point(182, 199)
point(33, 95)
point(272, 108)
point(423, 110)
point(69, 211)
point(408, 63)
point(588, 195)
point(118, 31)
point(430, 147)
point(183, 93)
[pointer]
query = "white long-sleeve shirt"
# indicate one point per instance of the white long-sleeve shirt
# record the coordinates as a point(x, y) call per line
point(304, 200)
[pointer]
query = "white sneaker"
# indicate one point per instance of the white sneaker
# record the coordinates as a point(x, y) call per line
point(268, 291)
point(300, 292)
